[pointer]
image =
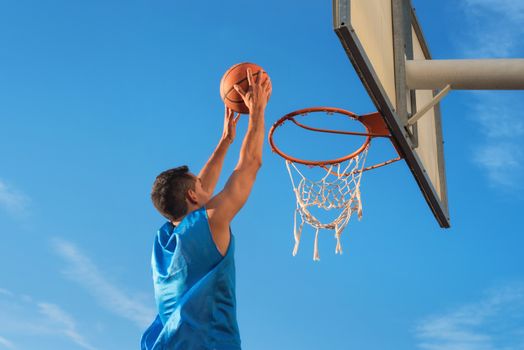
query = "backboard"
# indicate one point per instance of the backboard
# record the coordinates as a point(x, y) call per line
point(379, 36)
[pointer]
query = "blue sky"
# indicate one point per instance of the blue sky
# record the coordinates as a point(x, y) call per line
point(98, 97)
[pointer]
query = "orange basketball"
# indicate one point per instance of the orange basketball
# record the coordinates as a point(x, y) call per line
point(238, 75)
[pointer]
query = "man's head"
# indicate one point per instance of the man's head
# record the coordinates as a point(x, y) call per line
point(176, 192)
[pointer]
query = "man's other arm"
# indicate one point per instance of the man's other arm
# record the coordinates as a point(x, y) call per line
point(211, 171)
point(224, 206)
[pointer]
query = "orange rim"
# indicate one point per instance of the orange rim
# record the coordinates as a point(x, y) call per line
point(370, 124)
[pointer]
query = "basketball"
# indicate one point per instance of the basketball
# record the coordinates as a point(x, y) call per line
point(238, 75)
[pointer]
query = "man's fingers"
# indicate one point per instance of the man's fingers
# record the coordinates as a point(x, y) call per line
point(259, 76)
point(250, 77)
point(265, 84)
point(239, 89)
point(237, 117)
point(267, 87)
point(228, 112)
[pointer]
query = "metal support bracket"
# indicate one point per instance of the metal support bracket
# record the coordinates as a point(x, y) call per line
point(413, 119)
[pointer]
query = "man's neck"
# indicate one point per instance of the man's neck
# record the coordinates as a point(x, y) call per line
point(190, 208)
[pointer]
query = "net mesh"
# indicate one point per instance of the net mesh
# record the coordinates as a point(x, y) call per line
point(338, 190)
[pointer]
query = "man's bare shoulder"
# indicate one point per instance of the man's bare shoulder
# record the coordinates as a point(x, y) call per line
point(219, 228)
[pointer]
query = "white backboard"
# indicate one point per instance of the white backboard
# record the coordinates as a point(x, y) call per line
point(378, 37)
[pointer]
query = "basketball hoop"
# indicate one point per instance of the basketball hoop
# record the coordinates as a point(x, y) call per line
point(339, 189)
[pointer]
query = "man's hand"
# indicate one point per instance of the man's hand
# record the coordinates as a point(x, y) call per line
point(257, 94)
point(230, 125)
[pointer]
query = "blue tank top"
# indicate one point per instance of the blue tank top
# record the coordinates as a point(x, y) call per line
point(194, 289)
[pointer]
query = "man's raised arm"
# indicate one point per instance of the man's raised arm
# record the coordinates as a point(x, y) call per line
point(224, 206)
point(211, 171)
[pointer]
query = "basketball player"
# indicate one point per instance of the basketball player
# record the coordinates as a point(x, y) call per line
point(193, 254)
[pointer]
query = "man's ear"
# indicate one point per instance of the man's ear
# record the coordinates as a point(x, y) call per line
point(191, 196)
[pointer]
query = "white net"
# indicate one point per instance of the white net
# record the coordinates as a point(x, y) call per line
point(338, 190)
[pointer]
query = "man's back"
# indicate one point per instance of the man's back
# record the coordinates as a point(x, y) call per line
point(194, 289)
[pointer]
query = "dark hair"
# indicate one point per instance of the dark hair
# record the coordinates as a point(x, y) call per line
point(169, 192)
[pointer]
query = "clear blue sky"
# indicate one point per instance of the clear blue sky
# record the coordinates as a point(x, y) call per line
point(97, 97)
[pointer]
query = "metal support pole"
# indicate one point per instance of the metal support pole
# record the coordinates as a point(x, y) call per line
point(479, 74)
point(430, 105)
